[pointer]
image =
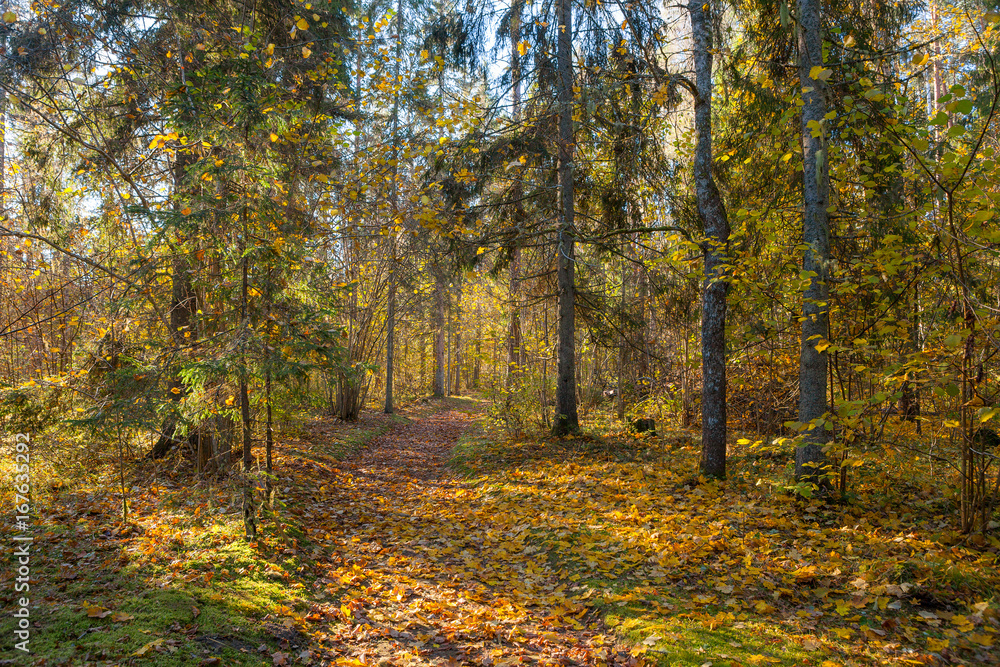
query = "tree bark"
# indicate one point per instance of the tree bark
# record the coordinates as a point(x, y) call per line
point(622, 342)
point(183, 306)
point(514, 342)
point(457, 360)
point(810, 461)
point(249, 513)
point(269, 440)
point(565, 420)
point(712, 212)
point(439, 339)
point(390, 324)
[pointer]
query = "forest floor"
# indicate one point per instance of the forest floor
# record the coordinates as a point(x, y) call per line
point(420, 540)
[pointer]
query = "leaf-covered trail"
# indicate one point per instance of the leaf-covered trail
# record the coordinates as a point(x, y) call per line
point(422, 573)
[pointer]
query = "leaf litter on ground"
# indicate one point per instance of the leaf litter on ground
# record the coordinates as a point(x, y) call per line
point(411, 551)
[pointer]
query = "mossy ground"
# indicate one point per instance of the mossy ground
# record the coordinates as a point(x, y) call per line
point(685, 571)
point(745, 572)
point(179, 584)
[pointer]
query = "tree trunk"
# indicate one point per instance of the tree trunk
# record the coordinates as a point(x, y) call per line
point(423, 362)
point(685, 383)
point(390, 324)
point(3, 154)
point(448, 350)
point(457, 364)
point(390, 338)
point(479, 358)
point(439, 323)
point(620, 397)
point(810, 461)
point(712, 212)
point(565, 419)
point(249, 513)
point(183, 306)
point(269, 440)
point(514, 342)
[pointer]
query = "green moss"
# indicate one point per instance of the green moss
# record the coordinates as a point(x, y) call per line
point(66, 634)
point(680, 640)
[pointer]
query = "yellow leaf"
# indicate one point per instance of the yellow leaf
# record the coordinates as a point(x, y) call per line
point(156, 643)
point(763, 607)
point(306, 52)
point(302, 24)
point(274, 137)
point(9, 17)
point(481, 250)
point(982, 639)
point(97, 612)
point(522, 48)
point(934, 645)
point(186, 211)
point(820, 73)
point(424, 54)
point(920, 59)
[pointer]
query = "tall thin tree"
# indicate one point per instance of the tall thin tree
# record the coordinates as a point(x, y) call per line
point(809, 457)
point(712, 212)
point(390, 325)
point(566, 420)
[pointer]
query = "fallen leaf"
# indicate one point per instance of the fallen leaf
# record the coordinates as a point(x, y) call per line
point(98, 612)
point(151, 646)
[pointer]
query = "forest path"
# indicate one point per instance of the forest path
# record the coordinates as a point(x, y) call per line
point(423, 575)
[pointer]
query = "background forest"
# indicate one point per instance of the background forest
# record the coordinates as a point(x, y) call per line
point(768, 226)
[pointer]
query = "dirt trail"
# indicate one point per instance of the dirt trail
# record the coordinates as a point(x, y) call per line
point(424, 578)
